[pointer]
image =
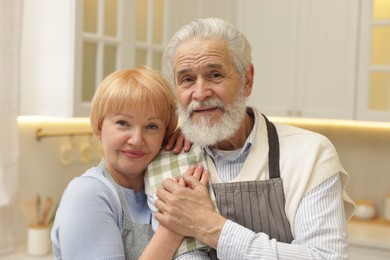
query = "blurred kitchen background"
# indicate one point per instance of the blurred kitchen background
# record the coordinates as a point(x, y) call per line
point(320, 64)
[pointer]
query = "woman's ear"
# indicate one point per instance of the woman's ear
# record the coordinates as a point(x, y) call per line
point(98, 134)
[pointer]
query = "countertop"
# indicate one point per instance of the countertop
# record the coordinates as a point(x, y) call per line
point(21, 254)
point(373, 233)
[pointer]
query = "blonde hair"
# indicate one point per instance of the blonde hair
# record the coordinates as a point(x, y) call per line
point(133, 88)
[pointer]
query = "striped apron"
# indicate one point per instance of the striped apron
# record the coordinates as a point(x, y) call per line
point(257, 205)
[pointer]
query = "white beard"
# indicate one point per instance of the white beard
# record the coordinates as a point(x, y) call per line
point(206, 133)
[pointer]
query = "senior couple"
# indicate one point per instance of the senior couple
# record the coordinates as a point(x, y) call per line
point(250, 189)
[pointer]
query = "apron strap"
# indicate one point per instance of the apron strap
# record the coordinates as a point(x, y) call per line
point(273, 153)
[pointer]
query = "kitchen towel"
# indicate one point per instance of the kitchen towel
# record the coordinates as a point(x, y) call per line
point(170, 165)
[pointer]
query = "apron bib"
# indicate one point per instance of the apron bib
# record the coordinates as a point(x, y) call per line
point(257, 205)
point(135, 236)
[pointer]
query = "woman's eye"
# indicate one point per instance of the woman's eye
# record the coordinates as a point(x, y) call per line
point(122, 123)
point(152, 126)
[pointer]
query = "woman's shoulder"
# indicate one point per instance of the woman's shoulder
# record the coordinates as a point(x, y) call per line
point(90, 181)
point(91, 188)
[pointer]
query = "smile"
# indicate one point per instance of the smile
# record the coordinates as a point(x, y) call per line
point(133, 154)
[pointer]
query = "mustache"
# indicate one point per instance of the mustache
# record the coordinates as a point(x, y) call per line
point(208, 103)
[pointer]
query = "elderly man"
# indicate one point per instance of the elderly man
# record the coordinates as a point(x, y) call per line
point(279, 189)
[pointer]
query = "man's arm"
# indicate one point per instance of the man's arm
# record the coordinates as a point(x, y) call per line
point(320, 225)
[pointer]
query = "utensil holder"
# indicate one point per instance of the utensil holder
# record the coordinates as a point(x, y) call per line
point(38, 240)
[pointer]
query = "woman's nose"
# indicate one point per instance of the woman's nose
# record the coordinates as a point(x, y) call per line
point(136, 138)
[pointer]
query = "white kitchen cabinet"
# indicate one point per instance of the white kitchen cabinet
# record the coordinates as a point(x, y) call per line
point(64, 57)
point(373, 101)
point(54, 43)
point(304, 54)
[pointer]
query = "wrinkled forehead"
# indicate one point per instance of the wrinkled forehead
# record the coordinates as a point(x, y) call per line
point(201, 54)
point(200, 50)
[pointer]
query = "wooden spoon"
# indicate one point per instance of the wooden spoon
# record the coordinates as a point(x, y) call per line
point(30, 209)
point(45, 211)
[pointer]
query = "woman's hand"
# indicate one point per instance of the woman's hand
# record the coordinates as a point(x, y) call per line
point(178, 143)
point(198, 172)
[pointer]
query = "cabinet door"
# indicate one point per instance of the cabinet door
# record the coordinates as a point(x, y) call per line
point(104, 43)
point(270, 27)
point(374, 65)
point(304, 56)
point(63, 59)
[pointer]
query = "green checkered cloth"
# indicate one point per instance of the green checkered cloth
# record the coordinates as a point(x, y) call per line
point(170, 165)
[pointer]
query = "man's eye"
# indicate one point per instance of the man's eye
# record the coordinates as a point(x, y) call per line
point(122, 123)
point(185, 81)
point(216, 75)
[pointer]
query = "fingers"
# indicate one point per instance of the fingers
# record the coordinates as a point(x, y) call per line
point(198, 172)
point(189, 171)
point(168, 186)
point(204, 180)
point(191, 181)
point(187, 145)
point(172, 140)
point(178, 143)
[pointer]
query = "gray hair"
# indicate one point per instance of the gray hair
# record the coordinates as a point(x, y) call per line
point(211, 28)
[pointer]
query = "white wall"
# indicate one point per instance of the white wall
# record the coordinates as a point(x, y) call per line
point(40, 168)
point(47, 55)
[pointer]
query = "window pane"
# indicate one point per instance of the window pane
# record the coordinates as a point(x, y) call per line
point(158, 21)
point(110, 17)
point(89, 71)
point(157, 60)
point(109, 60)
point(140, 57)
point(141, 20)
point(380, 91)
point(90, 16)
point(380, 45)
point(381, 9)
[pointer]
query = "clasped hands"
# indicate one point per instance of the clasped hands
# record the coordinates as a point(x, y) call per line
point(184, 206)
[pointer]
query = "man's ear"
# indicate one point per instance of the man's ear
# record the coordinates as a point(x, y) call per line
point(249, 77)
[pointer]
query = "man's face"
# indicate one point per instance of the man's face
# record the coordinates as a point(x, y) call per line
point(211, 93)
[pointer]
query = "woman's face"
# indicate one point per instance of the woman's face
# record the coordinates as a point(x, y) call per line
point(131, 139)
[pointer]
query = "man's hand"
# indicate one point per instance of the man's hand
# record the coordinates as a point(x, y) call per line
point(178, 143)
point(189, 210)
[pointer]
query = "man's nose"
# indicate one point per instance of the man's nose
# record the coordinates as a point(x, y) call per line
point(202, 90)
